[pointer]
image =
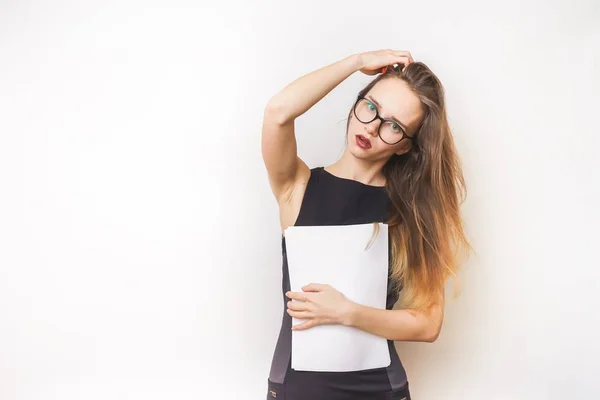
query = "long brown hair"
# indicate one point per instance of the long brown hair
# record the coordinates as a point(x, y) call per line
point(426, 187)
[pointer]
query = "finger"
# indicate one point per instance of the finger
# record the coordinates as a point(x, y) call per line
point(301, 296)
point(405, 62)
point(300, 306)
point(305, 325)
point(314, 287)
point(401, 60)
point(403, 53)
point(300, 314)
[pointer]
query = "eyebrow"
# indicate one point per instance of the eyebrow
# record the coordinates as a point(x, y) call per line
point(393, 118)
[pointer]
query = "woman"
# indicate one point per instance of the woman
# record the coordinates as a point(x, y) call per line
point(399, 167)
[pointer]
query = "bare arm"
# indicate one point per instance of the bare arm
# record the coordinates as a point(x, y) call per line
point(319, 304)
point(279, 149)
point(278, 144)
point(401, 325)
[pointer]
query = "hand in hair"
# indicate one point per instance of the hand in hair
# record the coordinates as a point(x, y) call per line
point(373, 62)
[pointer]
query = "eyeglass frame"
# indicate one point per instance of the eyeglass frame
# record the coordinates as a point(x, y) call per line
point(377, 116)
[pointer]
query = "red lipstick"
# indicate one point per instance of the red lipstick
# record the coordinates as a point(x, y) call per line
point(363, 142)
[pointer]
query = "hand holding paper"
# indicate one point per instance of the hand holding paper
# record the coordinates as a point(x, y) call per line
point(318, 304)
point(344, 271)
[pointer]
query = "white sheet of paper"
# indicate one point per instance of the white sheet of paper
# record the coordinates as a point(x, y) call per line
point(336, 255)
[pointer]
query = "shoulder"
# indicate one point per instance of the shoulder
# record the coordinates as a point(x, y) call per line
point(307, 178)
point(309, 175)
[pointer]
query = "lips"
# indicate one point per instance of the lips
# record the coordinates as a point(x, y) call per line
point(363, 142)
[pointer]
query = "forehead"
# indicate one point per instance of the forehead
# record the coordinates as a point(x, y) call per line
point(396, 99)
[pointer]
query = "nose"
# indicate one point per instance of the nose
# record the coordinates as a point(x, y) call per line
point(372, 127)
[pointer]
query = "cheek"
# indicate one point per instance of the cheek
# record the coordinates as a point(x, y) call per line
point(352, 126)
point(384, 150)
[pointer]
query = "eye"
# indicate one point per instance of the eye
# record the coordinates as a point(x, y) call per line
point(396, 128)
point(371, 106)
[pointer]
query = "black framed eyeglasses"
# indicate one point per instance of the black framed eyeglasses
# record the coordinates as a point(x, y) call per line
point(389, 131)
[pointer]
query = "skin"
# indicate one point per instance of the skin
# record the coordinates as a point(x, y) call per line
point(319, 303)
point(396, 100)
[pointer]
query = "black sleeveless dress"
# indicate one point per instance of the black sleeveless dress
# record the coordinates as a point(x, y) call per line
point(330, 200)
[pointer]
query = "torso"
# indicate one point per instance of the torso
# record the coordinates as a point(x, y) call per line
point(325, 199)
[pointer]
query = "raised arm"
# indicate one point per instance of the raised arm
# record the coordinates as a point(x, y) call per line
point(279, 151)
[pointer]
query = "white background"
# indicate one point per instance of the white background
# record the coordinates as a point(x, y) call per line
point(139, 242)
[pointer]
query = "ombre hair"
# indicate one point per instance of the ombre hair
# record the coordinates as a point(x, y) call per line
point(426, 187)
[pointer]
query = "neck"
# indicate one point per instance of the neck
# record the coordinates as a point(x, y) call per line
point(350, 167)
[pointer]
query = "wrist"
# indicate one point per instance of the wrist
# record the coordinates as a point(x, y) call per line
point(356, 61)
point(349, 314)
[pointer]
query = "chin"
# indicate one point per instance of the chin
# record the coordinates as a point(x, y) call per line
point(357, 151)
point(362, 155)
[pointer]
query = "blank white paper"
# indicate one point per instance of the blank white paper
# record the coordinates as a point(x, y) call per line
point(336, 255)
